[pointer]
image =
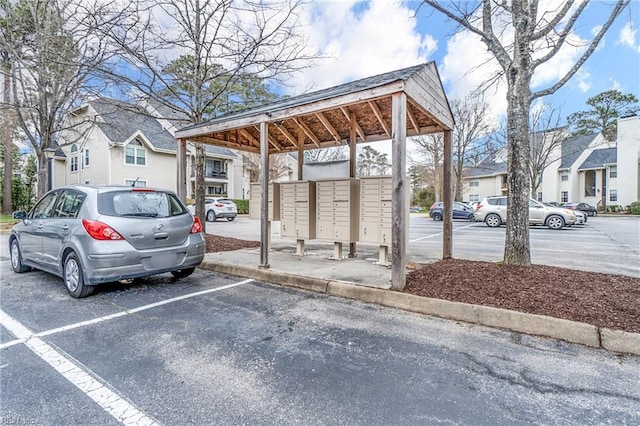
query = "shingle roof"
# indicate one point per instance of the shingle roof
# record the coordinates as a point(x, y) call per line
point(598, 158)
point(354, 86)
point(120, 120)
point(572, 148)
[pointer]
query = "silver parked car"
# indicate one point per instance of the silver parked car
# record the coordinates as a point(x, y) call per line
point(95, 234)
point(493, 212)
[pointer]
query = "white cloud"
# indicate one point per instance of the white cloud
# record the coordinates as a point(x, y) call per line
point(361, 40)
point(627, 37)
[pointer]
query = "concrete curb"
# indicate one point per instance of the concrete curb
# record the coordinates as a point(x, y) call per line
point(539, 325)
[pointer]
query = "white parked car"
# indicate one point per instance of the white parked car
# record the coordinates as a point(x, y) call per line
point(493, 212)
point(217, 208)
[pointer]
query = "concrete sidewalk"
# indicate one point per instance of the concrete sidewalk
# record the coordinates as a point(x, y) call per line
point(362, 278)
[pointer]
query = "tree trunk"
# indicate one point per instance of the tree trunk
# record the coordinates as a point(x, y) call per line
point(43, 174)
point(200, 192)
point(516, 249)
point(7, 130)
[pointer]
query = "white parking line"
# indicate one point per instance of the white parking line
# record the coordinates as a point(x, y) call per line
point(84, 379)
point(440, 233)
point(94, 387)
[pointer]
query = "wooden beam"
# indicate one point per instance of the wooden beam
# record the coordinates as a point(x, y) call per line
point(300, 154)
point(447, 198)
point(359, 130)
point(399, 211)
point(327, 124)
point(220, 142)
point(378, 114)
point(253, 141)
point(352, 145)
point(307, 131)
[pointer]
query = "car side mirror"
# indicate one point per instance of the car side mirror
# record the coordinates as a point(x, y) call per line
point(19, 214)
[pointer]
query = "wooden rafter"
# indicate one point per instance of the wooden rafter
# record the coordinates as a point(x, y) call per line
point(253, 141)
point(347, 115)
point(273, 142)
point(327, 124)
point(287, 135)
point(412, 120)
point(307, 131)
point(378, 114)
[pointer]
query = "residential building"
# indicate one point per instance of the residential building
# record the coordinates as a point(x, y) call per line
point(583, 168)
point(111, 142)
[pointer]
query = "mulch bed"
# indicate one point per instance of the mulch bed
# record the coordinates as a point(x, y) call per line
point(603, 300)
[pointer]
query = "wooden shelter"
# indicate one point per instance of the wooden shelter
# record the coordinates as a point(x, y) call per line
point(390, 106)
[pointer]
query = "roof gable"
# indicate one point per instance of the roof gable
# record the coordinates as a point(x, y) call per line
point(599, 158)
point(573, 147)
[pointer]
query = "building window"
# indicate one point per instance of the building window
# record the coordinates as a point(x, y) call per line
point(564, 197)
point(474, 183)
point(135, 182)
point(474, 197)
point(613, 195)
point(613, 171)
point(214, 190)
point(74, 158)
point(564, 176)
point(590, 183)
point(86, 158)
point(539, 196)
point(135, 153)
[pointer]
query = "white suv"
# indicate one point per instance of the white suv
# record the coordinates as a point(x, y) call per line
point(493, 212)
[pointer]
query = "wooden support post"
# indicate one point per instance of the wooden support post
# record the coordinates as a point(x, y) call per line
point(299, 247)
point(300, 154)
point(265, 229)
point(399, 211)
point(447, 198)
point(353, 124)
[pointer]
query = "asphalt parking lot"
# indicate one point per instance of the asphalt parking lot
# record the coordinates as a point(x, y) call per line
point(217, 349)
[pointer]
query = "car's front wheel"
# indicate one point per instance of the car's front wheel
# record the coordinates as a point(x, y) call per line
point(471, 218)
point(493, 220)
point(555, 222)
point(183, 273)
point(16, 258)
point(74, 278)
point(437, 217)
point(211, 216)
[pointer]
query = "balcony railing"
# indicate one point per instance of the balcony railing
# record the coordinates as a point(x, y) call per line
point(216, 174)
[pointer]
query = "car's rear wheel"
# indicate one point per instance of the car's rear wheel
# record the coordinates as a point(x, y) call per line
point(437, 217)
point(493, 220)
point(16, 258)
point(74, 278)
point(211, 216)
point(555, 222)
point(230, 218)
point(183, 273)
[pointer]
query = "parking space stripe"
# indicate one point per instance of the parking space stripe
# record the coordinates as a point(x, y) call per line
point(439, 233)
point(138, 309)
point(94, 387)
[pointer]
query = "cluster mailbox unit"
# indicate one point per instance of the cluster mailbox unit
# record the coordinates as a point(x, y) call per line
point(341, 210)
point(255, 201)
point(337, 206)
point(298, 212)
point(375, 213)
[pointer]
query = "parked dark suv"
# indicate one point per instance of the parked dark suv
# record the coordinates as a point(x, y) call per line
point(583, 207)
point(460, 211)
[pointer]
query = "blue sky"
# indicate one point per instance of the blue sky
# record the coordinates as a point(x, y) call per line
point(364, 38)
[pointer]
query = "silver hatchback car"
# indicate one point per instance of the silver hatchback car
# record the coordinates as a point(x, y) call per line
point(95, 234)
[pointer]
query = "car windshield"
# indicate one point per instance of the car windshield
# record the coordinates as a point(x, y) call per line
point(139, 204)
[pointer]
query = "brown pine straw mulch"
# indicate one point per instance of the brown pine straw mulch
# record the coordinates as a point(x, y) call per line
point(603, 300)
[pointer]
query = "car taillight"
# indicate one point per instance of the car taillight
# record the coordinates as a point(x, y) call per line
point(100, 231)
point(479, 206)
point(433, 206)
point(196, 227)
point(219, 205)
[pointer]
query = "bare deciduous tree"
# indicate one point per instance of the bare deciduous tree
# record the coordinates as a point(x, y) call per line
point(51, 66)
point(522, 36)
point(471, 123)
point(429, 158)
point(194, 57)
point(278, 166)
point(546, 141)
point(324, 155)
